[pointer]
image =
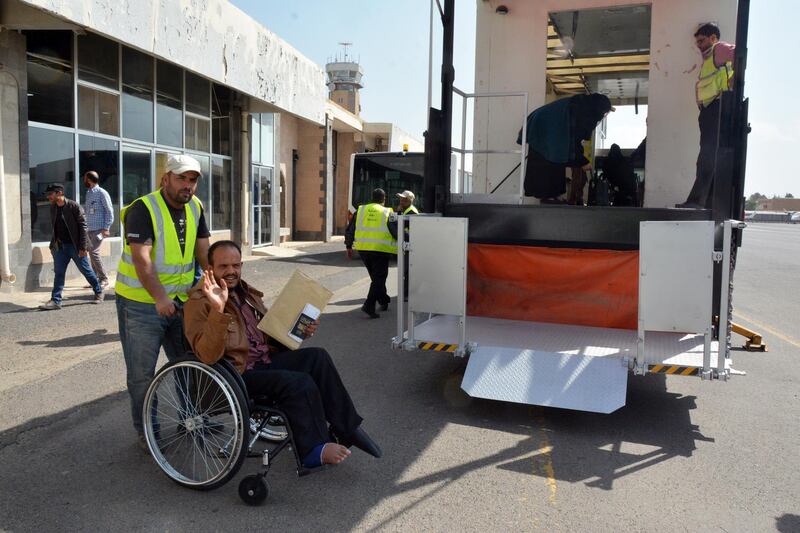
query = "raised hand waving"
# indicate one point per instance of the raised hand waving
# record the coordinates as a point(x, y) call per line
point(217, 295)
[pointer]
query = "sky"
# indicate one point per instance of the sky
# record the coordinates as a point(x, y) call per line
point(390, 40)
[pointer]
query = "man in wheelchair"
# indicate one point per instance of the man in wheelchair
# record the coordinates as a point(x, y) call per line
point(220, 321)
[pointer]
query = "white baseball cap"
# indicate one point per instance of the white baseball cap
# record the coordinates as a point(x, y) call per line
point(407, 195)
point(180, 163)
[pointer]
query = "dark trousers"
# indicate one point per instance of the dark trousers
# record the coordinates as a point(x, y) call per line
point(306, 386)
point(708, 120)
point(377, 264)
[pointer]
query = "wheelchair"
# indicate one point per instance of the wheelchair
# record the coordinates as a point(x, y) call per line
point(200, 425)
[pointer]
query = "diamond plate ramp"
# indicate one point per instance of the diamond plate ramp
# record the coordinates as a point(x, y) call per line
point(569, 381)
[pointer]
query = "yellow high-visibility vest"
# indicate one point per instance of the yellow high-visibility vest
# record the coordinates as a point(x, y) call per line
point(175, 269)
point(411, 209)
point(372, 231)
point(713, 80)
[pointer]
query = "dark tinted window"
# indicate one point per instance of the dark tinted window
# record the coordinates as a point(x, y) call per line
point(222, 194)
point(135, 174)
point(137, 95)
point(98, 60)
point(49, 65)
point(197, 95)
point(51, 156)
point(169, 102)
point(102, 156)
point(220, 120)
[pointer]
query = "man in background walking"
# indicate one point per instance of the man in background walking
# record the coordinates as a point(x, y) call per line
point(68, 243)
point(99, 217)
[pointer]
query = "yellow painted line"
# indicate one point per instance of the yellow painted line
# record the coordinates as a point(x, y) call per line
point(452, 348)
point(773, 332)
point(672, 369)
point(656, 368)
point(545, 450)
point(689, 371)
point(427, 346)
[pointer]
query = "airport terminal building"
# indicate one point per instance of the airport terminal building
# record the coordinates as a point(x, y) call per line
point(100, 85)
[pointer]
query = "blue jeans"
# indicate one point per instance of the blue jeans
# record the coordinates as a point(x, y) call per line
point(143, 332)
point(61, 257)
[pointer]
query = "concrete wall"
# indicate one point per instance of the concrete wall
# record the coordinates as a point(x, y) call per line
point(511, 54)
point(212, 38)
point(13, 88)
point(312, 183)
point(347, 146)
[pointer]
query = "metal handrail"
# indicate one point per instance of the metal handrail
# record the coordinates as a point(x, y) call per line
point(464, 151)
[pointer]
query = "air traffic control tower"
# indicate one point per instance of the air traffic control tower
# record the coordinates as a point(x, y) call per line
point(344, 81)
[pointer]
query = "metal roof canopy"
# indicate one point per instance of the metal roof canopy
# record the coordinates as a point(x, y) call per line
point(605, 50)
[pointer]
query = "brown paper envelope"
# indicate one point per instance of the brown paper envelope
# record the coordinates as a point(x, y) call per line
point(281, 317)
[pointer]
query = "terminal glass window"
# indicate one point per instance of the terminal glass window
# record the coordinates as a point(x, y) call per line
point(220, 120)
point(98, 110)
point(203, 191)
point(137, 95)
point(50, 85)
point(267, 139)
point(136, 163)
point(197, 95)
point(102, 156)
point(221, 194)
point(197, 133)
point(51, 159)
point(98, 61)
point(169, 104)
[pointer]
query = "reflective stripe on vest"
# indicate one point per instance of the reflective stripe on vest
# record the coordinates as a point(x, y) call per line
point(713, 80)
point(411, 209)
point(372, 232)
point(175, 269)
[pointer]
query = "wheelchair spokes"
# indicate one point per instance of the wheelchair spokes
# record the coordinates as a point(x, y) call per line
point(194, 424)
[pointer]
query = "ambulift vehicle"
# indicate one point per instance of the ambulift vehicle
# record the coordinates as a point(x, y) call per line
point(554, 305)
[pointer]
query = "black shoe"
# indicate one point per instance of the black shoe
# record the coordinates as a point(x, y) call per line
point(371, 314)
point(385, 307)
point(360, 439)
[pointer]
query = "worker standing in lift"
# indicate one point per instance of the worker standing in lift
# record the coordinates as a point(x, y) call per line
point(716, 77)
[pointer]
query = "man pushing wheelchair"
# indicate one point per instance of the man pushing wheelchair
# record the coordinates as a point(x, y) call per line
point(220, 321)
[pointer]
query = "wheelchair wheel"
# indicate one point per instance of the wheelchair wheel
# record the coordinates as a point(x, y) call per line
point(253, 489)
point(196, 424)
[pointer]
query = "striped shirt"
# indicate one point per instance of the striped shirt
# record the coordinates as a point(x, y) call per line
point(98, 210)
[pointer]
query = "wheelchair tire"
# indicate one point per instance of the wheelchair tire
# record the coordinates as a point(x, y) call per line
point(253, 489)
point(196, 422)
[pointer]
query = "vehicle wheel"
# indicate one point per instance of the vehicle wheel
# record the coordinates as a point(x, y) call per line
point(196, 424)
point(253, 490)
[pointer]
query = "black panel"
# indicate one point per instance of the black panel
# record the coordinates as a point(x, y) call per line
point(563, 226)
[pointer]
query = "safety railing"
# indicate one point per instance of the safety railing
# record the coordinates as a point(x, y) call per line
point(463, 151)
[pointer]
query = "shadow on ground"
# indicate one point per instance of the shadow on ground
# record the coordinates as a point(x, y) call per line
point(81, 469)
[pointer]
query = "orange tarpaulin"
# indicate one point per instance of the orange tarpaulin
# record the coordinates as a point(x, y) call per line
point(561, 285)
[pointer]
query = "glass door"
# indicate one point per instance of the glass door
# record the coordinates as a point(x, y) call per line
point(262, 205)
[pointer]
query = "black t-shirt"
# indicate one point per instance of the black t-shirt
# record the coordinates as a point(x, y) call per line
point(62, 232)
point(139, 224)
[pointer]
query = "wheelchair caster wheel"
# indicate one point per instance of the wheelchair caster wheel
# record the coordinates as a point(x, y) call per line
point(253, 489)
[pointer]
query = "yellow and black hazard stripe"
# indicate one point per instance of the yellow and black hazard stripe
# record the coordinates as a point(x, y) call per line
point(676, 370)
point(437, 346)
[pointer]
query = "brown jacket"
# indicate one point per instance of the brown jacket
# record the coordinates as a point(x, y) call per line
point(214, 335)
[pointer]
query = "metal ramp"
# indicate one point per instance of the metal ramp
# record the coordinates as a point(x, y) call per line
point(582, 382)
point(558, 365)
